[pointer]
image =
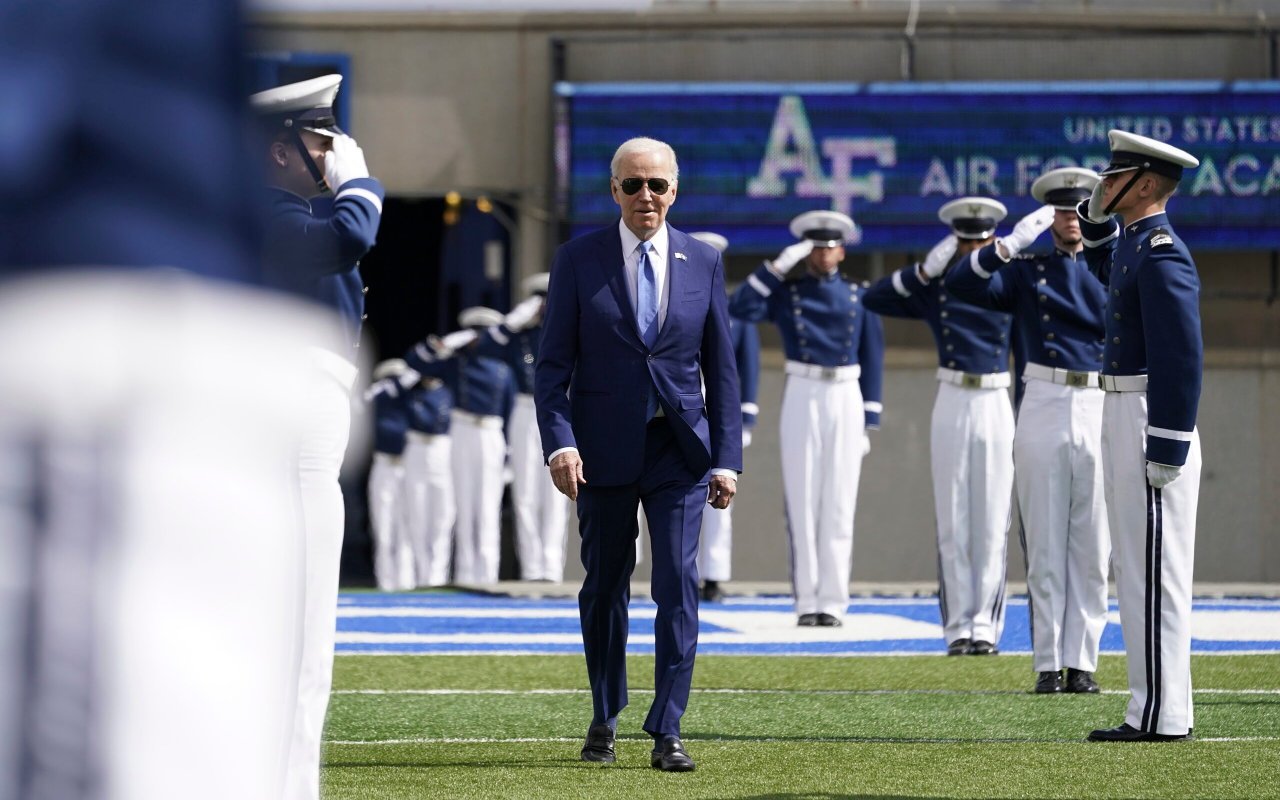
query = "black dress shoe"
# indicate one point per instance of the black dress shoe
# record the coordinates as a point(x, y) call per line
point(829, 621)
point(960, 647)
point(981, 648)
point(1049, 683)
point(669, 756)
point(711, 591)
point(599, 745)
point(808, 620)
point(1080, 682)
point(1127, 733)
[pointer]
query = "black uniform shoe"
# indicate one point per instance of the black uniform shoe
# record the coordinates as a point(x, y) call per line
point(828, 621)
point(1080, 682)
point(808, 620)
point(981, 648)
point(669, 756)
point(1127, 733)
point(960, 647)
point(599, 745)
point(711, 592)
point(1049, 683)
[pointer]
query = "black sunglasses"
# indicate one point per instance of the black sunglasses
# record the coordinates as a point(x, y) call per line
point(632, 185)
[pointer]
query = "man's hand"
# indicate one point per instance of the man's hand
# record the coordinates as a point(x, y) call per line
point(1026, 231)
point(939, 257)
point(521, 317)
point(721, 490)
point(1161, 475)
point(345, 162)
point(1091, 210)
point(790, 256)
point(566, 473)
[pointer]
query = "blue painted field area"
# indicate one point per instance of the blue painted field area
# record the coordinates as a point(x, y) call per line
point(465, 623)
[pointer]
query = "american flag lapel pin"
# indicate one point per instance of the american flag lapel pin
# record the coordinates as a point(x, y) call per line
point(682, 256)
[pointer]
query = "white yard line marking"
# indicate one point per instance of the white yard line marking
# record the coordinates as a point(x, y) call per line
point(762, 740)
point(852, 692)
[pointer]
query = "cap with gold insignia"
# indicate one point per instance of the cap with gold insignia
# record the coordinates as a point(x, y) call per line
point(1064, 188)
point(305, 105)
point(389, 368)
point(1129, 151)
point(536, 283)
point(973, 217)
point(826, 228)
point(479, 317)
point(714, 239)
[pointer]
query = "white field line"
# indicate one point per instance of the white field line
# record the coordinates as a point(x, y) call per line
point(777, 654)
point(762, 740)
point(851, 692)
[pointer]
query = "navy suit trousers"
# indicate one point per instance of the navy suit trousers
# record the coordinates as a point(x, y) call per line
point(673, 498)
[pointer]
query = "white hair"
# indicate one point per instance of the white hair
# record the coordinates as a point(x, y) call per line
point(643, 144)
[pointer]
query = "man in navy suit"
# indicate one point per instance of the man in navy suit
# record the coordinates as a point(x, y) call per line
point(636, 322)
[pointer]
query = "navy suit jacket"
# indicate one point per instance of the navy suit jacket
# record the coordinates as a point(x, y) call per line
point(593, 371)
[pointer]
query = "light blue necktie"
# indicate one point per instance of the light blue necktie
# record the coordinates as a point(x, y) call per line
point(647, 314)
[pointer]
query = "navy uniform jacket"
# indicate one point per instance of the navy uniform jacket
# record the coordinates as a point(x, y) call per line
point(1153, 324)
point(823, 322)
point(746, 350)
point(481, 383)
point(969, 338)
point(1056, 302)
point(519, 350)
point(314, 248)
point(430, 407)
point(391, 418)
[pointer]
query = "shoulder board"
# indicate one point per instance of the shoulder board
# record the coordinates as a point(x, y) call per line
point(1160, 237)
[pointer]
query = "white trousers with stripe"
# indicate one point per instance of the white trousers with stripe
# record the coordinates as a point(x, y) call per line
point(430, 505)
point(393, 562)
point(1153, 536)
point(972, 458)
point(541, 511)
point(478, 453)
point(1057, 454)
point(822, 424)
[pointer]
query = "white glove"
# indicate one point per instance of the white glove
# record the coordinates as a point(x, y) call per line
point(345, 162)
point(520, 317)
point(445, 346)
point(939, 257)
point(408, 378)
point(1159, 475)
point(792, 255)
point(1091, 209)
point(866, 444)
point(746, 438)
point(1026, 231)
point(384, 386)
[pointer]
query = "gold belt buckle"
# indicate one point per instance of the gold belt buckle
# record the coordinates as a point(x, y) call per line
point(1077, 379)
point(971, 381)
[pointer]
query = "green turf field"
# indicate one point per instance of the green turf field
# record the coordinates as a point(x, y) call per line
point(789, 727)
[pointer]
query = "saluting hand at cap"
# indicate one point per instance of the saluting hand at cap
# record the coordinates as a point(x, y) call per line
point(939, 257)
point(790, 256)
point(344, 162)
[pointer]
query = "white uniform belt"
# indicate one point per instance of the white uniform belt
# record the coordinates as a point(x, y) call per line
point(1124, 383)
point(522, 397)
point(424, 438)
point(1062, 377)
point(974, 380)
point(833, 374)
point(335, 366)
point(478, 420)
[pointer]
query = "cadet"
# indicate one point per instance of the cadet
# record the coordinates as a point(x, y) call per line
point(316, 257)
point(716, 542)
point(971, 436)
point(430, 507)
point(1057, 310)
point(483, 391)
point(1151, 372)
point(393, 559)
point(835, 355)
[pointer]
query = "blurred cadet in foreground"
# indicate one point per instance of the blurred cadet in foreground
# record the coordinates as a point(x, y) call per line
point(316, 256)
point(150, 557)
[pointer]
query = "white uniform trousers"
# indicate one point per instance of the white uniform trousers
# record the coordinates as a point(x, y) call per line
point(715, 545)
point(1057, 455)
point(822, 425)
point(478, 453)
point(393, 562)
point(150, 547)
point(431, 507)
point(541, 511)
point(972, 457)
point(1153, 533)
point(327, 417)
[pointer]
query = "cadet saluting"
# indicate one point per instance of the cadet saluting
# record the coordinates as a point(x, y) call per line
point(1151, 373)
point(835, 354)
point(1057, 307)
